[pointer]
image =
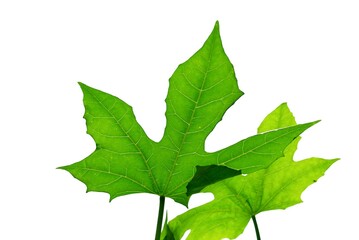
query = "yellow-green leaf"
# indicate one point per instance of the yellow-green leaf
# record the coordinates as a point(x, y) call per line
point(239, 198)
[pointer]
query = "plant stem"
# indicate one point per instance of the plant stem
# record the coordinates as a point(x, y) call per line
point(256, 227)
point(160, 217)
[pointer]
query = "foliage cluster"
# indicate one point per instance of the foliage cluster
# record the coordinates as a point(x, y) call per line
point(251, 176)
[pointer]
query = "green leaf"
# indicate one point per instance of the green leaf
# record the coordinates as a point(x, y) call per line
point(127, 161)
point(208, 175)
point(166, 233)
point(239, 198)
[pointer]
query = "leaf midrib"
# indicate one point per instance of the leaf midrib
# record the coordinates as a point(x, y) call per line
point(261, 145)
point(191, 118)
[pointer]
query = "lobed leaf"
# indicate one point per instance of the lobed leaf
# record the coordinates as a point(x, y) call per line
point(239, 198)
point(127, 161)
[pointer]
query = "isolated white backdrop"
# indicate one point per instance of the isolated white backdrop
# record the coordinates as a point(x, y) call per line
point(302, 52)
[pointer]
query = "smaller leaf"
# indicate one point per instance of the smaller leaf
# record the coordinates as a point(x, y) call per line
point(166, 233)
point(239, 198)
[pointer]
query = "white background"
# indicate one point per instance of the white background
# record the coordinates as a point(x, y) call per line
point(303, 52)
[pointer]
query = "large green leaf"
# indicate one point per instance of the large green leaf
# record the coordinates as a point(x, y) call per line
point(239, 198)
point(127, 161)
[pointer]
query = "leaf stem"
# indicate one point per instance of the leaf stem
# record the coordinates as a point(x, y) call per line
point(256, 227)
point(160, 218)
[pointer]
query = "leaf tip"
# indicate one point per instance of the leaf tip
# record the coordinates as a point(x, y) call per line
point(62, 168)
point(315, 122)
point(112, 197)
point(82, 86)
point(332, 161)
point(216, 28)
point(284, 104)
point(310, 124)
